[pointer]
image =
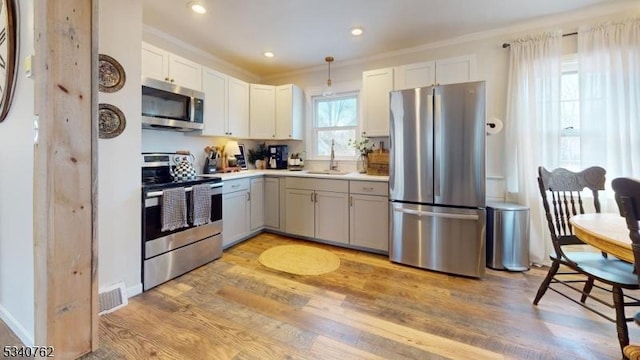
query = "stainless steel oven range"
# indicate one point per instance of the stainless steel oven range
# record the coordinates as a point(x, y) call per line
point(171, 253)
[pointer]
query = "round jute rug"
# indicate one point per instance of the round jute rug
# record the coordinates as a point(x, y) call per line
point(300, 260)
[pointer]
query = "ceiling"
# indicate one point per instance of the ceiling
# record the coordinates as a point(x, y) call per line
point(302, 32)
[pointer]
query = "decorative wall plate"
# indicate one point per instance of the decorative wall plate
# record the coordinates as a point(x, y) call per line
point(111, 76)
point(111, 121)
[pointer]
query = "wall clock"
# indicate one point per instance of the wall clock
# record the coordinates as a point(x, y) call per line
point(8, 55)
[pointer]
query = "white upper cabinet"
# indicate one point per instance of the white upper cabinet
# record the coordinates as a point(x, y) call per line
point(376, 85)
point(441, 72)
point(262, 111)
point(456, 70)
point(163, 65)
point(214, 86)
point(226, 105)
point(289, 112)
point(185, 72)
point(155, 62)
point(414, 75)
point(238, 109)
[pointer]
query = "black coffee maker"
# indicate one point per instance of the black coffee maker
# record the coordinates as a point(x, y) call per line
point(277, 158)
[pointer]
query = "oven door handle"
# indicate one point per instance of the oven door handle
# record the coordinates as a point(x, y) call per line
point(217, 190)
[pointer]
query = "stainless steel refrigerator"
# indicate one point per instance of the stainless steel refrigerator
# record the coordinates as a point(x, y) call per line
point(437, 178)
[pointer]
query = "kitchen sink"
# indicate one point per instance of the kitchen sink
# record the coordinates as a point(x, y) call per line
point(327, 172)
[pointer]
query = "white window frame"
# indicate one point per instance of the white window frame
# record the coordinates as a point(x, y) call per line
point(340, 89)
point(569, 65)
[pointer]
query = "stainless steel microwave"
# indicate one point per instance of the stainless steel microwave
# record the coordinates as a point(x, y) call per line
point(166, 106)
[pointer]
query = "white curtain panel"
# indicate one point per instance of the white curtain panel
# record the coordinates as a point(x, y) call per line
point(609, 67)
point(532, 127)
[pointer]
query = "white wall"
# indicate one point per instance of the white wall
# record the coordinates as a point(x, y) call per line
point(17, 306)
point(119, 229)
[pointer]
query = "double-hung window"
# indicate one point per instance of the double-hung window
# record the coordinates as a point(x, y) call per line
point(335, 119)
point(569, 156)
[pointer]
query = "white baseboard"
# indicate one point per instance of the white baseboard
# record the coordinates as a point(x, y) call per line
point(16, 327)
point(24, 335)
point(134, 290)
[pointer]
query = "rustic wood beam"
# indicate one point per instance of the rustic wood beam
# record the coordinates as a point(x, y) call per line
point(64, 177)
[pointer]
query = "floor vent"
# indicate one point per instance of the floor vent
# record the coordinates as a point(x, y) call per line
point(112, 298)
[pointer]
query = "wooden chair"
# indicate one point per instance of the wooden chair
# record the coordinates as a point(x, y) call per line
point(628, 198)
point(561, 190)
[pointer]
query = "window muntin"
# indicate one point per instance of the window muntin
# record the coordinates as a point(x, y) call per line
point(334, 118)
point(570, 142)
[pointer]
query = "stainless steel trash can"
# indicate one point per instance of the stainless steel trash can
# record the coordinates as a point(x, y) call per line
point(507, 236)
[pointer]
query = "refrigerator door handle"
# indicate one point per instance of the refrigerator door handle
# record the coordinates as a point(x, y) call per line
point(435, 214)
point(437, 142)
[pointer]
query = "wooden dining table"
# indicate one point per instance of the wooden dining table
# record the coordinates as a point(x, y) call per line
point(605, 231)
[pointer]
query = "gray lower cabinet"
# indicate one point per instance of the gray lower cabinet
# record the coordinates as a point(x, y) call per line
point(349, 212)
point(300, 208)
point(272, 202)
point(332, 216)
point(257, 197)
point(317, 208)
point(369, 215)
point(369, 221)
point(235, 211)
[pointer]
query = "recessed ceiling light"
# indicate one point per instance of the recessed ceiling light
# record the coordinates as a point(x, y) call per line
point(356, 31)
point(197, 7)
point(269, 54)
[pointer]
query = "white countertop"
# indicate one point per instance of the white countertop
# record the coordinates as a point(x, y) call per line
point(303, 173)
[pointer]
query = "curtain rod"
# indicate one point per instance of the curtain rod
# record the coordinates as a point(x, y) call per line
point(506, 45)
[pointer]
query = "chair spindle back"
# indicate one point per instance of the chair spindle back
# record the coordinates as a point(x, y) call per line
point(628, 198)
point(561, 197)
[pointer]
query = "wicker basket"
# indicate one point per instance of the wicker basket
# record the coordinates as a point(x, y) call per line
point(378, 163)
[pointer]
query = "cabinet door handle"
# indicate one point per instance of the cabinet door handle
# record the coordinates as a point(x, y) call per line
point(248, 196)
point(166, 79)
point(311, 197)
point(351, 201)
point(316, 197)
point(367, 189)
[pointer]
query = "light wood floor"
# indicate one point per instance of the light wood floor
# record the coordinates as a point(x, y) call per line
point(7, 337)
point(235, 308)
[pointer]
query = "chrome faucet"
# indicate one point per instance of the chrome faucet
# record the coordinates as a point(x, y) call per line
point(333, 164)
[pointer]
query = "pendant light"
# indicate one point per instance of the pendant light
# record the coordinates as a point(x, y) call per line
point(328, 91)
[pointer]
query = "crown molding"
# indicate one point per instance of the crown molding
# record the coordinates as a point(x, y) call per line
point(546, 22)
point(146, 29)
